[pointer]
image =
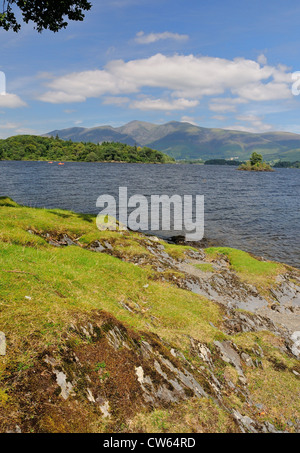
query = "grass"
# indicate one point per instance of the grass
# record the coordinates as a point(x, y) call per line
point(42, 287)
point(248, 268)
point(62, 281)
point(178, 252)
point(205, 267)
point(273, 385)
point(192, 416)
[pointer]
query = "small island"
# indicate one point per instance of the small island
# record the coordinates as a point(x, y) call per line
point(255, 163)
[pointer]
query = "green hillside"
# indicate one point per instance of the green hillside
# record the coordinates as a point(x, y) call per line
point(187, 141)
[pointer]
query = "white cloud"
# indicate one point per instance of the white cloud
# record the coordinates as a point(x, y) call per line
point(189, 76)
point(8, 126)
point(264, 92)
point(61, 97)
point(26, 131)
point(225, 105)
point(262, 59)
point(11, 101)
point(188, 119)
point(162, 104)
point(253, 124)
point(142, 38)
point(9, 129)
point(184, 77)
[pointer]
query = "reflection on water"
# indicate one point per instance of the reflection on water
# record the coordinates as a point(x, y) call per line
point(257, 212)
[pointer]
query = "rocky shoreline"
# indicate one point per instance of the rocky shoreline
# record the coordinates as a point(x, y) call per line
point(280, 307)
point(208, 341)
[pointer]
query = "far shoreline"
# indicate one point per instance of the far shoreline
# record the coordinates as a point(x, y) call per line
point(149, 163)
point(89, 162)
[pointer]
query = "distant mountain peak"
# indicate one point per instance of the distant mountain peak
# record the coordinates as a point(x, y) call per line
point(184, 140)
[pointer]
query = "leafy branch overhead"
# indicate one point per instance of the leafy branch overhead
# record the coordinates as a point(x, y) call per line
point(45, 14)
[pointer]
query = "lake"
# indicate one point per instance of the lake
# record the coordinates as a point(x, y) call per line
point(256, 212)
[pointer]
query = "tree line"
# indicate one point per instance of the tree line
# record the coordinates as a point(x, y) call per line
point(35, 148)
point(287, 164)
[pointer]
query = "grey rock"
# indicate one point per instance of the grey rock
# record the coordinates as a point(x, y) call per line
point(108, 245)
point(55, 244)
point(202, 351)
point(117, 338)
point(174, 384)
point(90, 396)
point(247, 360)
point(147, 386)
point(271, 428)
point(105, 409)
point(258, 351)
point(287, 292)
point(229, 355)
point(100, 248)
point(68, 241)
point(258, 364)
point(2, 344)
point(126, 307)
point(16, 430)
point(296, 343)
point(259, 407)
point(184, 377)
point(66, 387)
point(246, 423)
point(153, 239)
point(61, 378)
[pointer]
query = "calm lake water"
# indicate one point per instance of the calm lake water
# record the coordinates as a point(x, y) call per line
point(256, 212)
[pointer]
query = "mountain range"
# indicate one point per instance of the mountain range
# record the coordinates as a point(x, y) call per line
point(187, 141)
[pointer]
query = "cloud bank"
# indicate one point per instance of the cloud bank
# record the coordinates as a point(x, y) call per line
point(183, 79)
point(11, 101)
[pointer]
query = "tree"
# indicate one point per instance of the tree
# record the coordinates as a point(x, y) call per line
point(91, 157)
point(46, 14)
point(256, 159)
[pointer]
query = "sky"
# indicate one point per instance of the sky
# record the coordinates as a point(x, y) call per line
point(224, 64)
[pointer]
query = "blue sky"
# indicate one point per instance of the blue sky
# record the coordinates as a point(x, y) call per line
point(226, 64)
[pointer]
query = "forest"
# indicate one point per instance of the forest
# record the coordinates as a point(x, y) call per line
point(36, 148)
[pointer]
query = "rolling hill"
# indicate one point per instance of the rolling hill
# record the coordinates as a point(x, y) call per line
point(187, 141)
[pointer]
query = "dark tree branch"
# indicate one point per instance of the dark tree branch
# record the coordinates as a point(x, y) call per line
point(45, 14)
